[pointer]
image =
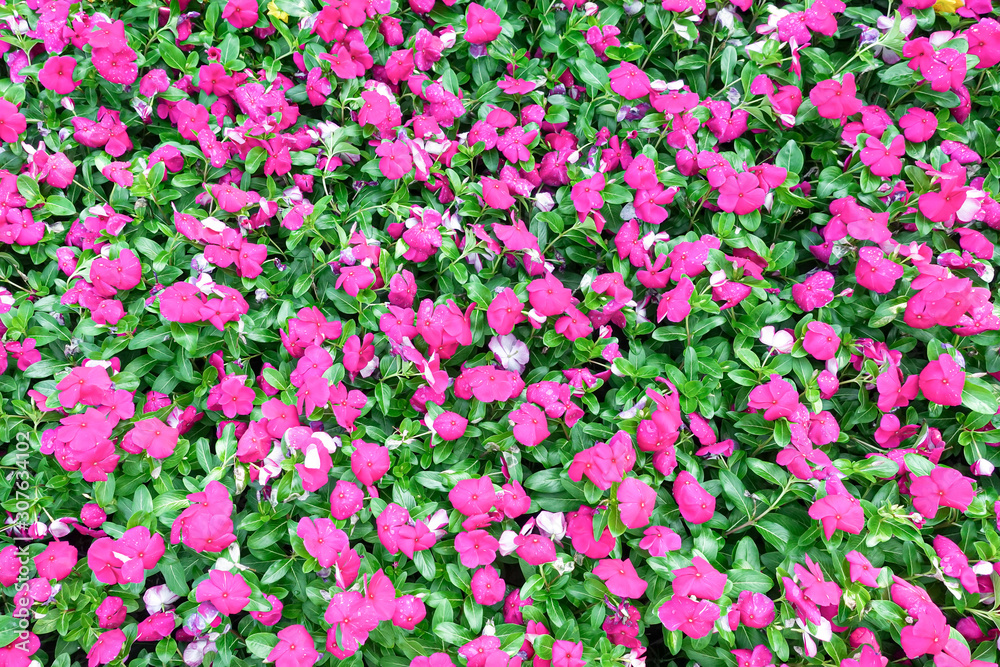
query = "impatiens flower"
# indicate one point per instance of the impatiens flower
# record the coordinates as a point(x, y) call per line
point(837, 512)
point(943, 487)
point(621, 578)
point(227, 591)
point(694, 619)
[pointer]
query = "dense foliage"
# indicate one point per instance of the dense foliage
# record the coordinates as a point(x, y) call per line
point(440, 333)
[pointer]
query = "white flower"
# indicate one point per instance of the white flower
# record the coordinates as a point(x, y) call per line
point(158, 597)
point(552, 524)
point(510, 353)
point(781, 341)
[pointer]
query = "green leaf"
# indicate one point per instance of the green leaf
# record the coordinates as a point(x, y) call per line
point(261, 644)
point(592, 74)
point(979, 396)
point(452, 633)
point(60, 206)
point(172, 55)
point(790, 157)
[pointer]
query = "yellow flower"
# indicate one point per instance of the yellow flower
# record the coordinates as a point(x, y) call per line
point(948, 6)
point(272, 10)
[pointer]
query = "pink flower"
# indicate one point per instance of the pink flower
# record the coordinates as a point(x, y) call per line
point(586, 194)
point(837, 512)
point(369, 462)
point(630, 82)
point(483, 24)
point(700, 580)
point(295, 648)
point(111, 612)
point(660, 540)
point(487, 586)
point(56, 561)
point(227, 591)
point(696, 504)
point(814, 292)
point(495, 193)
point(529, 424)
point(741, 194)
point(862, 570)
point(12, 124)
point(473, 496)
point(821, 341)
point(882, 160)
point(876, 272)
point(675, 304)
point(409, 612)
point(272, 616)
point(548, 296)
point(346, 500)
point(636, 502)
point(621, 578)
point(918, 125)
point(535, 549)
point(241, 13)
point(694, 619)
point(929, 635)
point(396, 160)
point(755, 610)
point(836, 100)
point(942, 381)
point(107, 647)
point(476, 548)
point(505, 311)
point(567, 654)
point(322, 539)
point(943, 487)
point(450, 425)
point(778, 398)
point(57, 75)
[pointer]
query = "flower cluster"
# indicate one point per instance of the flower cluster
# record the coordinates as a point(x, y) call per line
point(441, 333)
